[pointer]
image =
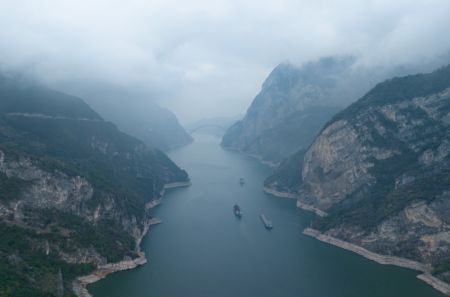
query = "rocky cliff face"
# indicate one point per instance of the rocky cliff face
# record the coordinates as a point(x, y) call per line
point(292, 107)
point(347, 156)
point(381, 169)
point(73, 190)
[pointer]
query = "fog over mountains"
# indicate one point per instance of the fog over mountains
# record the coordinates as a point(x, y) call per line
point(296, 102)
point(348, 101)
point(213, 55)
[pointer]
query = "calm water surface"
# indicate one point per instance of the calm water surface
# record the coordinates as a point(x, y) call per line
point(202, 250)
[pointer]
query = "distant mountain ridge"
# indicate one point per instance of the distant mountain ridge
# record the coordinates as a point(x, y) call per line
point(135, 113)
point(292, 107)
point(154, 125)
point(16, 98)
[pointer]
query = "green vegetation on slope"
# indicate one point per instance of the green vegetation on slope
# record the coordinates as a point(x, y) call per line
point(10, 187)
point(27, 271)
point(21, 96)
point(107, 237)
point(371, 205)
point(288, 176)
point(69, 141)
point(398, 89)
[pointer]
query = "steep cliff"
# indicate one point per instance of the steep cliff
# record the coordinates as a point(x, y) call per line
point(292, 107)
point(381, 170)
point(73, 190)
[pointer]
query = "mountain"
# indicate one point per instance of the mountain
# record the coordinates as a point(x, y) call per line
point(381, 170)
point(292, 107)
point(134, 111)
point(73, 190)
point(155, 126)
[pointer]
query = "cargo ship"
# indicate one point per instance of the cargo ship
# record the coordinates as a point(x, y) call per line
point(267, 223)
point(237, 211)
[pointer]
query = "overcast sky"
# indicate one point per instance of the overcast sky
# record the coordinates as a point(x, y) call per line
point(208, 58)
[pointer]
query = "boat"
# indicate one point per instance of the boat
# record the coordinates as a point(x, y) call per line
point(267, 223)
point(241, 181)
point(237, 211)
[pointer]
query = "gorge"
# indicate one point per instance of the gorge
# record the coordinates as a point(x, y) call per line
point(224, 148)
point(200, 248)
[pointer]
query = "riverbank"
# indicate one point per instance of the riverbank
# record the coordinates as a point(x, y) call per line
point(177, 185)
point(279, 194)
point(261, 160)
point(152, 204)
point(301, 205)
point(426, 276)
point(79, 285)
point(311, 208)
point(253, 156)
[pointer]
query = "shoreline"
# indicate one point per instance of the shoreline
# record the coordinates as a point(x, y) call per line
point(299, 204)
point(311, 208)
point(425, 276)
point(257, 157)
point(152, 204)
point(177, 185)
point(79, 285)
point(279, 194)
point(271, 164)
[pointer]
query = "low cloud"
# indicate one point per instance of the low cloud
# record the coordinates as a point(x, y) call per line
point(203, 58)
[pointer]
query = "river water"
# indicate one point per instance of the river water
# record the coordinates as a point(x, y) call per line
point(202, 250)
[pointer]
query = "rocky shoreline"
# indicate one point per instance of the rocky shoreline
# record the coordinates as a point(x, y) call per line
point(80, 284)
point(152, 204)
point(426, 276)
point(279, 194)
point(177, 185)
point(301, 205)
point(311, 208)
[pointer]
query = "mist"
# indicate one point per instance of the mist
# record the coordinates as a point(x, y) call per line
point(208, 58)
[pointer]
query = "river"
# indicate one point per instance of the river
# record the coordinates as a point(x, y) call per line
point(202, 250)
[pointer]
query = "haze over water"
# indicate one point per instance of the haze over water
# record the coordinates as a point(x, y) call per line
point(201, 249)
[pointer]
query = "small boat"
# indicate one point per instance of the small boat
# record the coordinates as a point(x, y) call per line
point(237, 211)
point(241, 181)
point(267, 223)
